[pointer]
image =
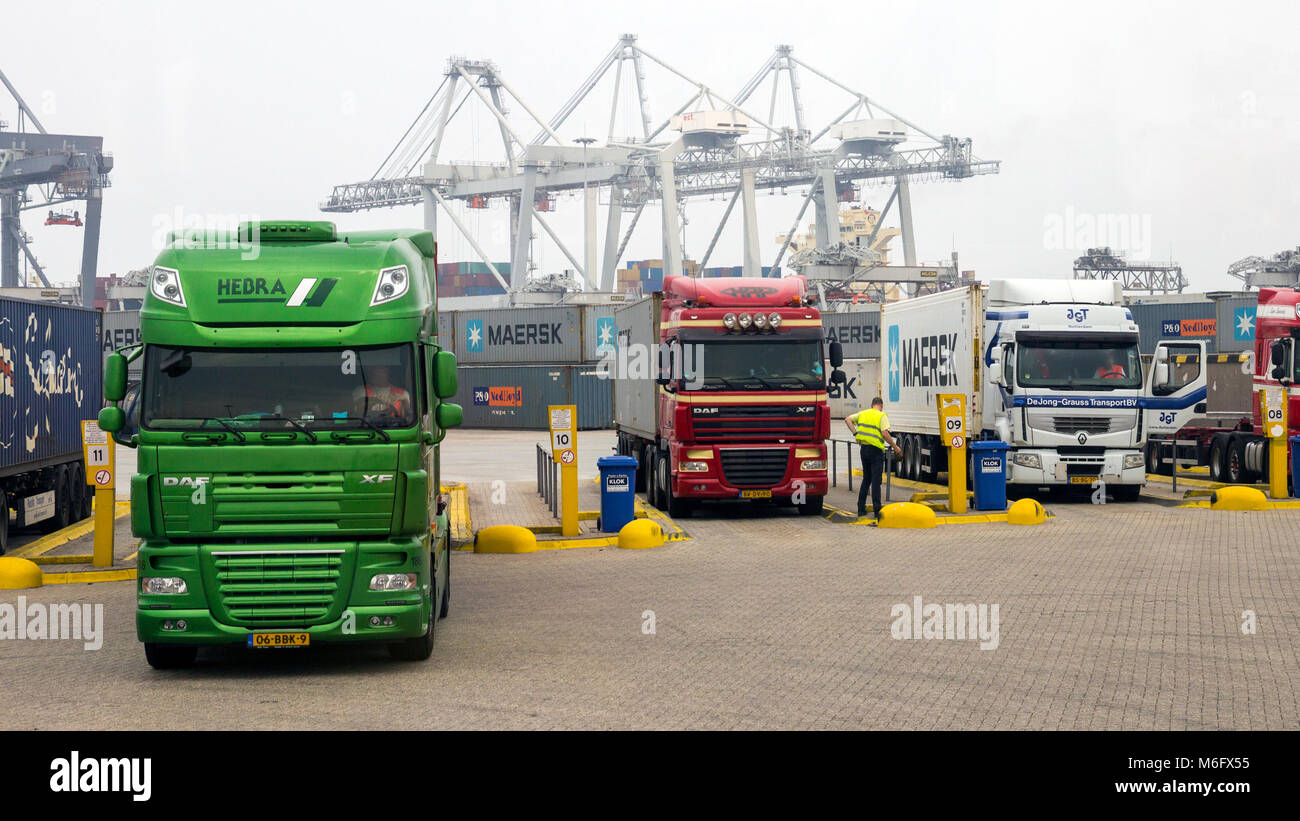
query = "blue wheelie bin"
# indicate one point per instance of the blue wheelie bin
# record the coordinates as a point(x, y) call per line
point(989, 459)
point(617, 496)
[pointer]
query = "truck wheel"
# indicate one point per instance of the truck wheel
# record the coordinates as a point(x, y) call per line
point(675, 506)
point(418, 648)
point(910, 458)
point(813, 506)
point(169, 656)
point(62, 504)
point(1235, 468)
point(1126, 493)
point(1218, 460)
point(445, 604)
point(77, 484)
point(1153, 457)
point(4, 522)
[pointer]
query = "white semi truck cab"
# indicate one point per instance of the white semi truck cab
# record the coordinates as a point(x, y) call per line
point(1064, 384)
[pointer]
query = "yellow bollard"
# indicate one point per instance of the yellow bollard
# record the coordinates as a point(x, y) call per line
point(100, 454)
point(952, 426)
point(104, 504)
point(1275, 426)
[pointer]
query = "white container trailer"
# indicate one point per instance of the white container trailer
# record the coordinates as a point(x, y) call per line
point(1051, 367)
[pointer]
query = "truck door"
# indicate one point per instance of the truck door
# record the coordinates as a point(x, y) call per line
point(1175, 387)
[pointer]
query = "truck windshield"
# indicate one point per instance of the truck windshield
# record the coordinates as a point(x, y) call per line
point(293, 389)
point(1081, 364)
point(753, 364)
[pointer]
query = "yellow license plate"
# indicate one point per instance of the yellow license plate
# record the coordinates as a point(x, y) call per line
point(756, 494)
point(1082, 480)
point(261, 640)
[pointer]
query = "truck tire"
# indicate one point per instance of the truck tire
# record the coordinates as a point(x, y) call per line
point(674, 506)
point(1218, 458)
point(813, 506)
point(1153, 457)
point(62, 504)
point(445, 604)
point(651, 482)
point(418, 648)
point(4, 522)
point(169, 656)
point(77, 484)
point(1235, 464)
point(911, 456)
point(1126, 493)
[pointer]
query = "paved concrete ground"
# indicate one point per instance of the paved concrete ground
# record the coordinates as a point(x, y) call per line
point(1115, 616)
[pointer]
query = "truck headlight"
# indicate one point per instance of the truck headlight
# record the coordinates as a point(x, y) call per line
point(1027, 460)
point(774, 320)
point(760, 321)
point(812, 464)
point(692, 467)
point(393, 581)
point(165, 283)
point(729, 322)
point(163, 584)
point(745, 321)
point(393, 283)
point(1134, 460)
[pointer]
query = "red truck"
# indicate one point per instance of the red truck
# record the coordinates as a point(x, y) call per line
point(720, 392)
point(1228, 437)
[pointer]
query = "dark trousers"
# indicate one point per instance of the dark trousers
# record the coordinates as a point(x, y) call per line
point(873, 470)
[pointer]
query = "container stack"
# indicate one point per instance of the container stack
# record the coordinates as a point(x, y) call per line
point(470, 279)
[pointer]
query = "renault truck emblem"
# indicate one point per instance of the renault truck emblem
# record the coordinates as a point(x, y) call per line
point(1082, 437)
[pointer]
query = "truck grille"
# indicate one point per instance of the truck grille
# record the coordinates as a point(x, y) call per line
point(753, 423)
point(755, 468)
point(282, 588)
point(1087, 424)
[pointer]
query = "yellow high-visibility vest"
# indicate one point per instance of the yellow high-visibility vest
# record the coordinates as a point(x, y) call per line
point(870, 423)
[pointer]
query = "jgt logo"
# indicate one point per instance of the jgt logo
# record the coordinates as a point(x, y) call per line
point(376, 478)
point(185, 481)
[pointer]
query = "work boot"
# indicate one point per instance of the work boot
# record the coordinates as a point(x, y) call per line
point(862, 511)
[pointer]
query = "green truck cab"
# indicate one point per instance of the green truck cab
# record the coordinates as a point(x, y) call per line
point(290, 411)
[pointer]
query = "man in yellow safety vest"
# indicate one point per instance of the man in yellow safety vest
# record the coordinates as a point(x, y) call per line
point(871, 430)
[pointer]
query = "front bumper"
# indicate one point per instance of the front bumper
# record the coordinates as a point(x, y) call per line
point(201, 628)
point(1061, 470)
point(713, 484)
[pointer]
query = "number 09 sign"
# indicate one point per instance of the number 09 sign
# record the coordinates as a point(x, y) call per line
point(952, 419)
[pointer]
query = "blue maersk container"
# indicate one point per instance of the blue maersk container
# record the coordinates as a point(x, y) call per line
point(51, 370)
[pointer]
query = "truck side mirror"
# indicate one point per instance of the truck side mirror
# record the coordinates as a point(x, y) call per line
point(444, 375)
point(114, 378)
point(837, 355)
point(111, 419)
point(995, 367)
point(449, 415)
point(1276, 354)
point(838, 377)
point(1161, 379)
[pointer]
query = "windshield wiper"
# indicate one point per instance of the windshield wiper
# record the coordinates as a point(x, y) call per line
point(761, 381)
point(281, 418)
point(726, 383)
point(370, 425)
point(223, 423)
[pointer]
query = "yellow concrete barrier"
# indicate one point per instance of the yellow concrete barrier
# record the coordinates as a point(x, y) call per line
point(907, 514)
point(19, 574)
point(1026, 512)
point(505, 539)
point(639, 534)
point(1236, 497)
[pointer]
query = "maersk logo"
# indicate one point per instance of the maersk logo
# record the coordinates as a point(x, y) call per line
point(605, 333)
point(474, 336)
point(1243, 324)
point(894, 364)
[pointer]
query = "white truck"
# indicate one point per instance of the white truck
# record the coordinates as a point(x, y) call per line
point(1050, 367)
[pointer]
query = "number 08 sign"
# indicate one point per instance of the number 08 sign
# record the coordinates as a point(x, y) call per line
point(952, 419)
point(564, 432)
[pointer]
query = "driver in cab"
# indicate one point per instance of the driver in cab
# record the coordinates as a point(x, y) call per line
point(379, 396)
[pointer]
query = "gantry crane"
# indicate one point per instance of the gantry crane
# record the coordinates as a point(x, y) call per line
point(60, 168)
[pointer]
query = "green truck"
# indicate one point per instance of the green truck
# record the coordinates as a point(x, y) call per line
point(287, 423)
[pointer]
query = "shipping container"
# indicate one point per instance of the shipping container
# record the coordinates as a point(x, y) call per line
point(502, 336)
point(1236, 322)
point(447, 330)
point(516, 396)
point(51, 370)
point(599, 331)
point(122, 328)
point(860, 386)
point(1193, 319)
point(858, 332)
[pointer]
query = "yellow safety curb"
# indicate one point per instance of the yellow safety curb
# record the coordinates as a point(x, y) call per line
point(61, 537)
point(75, 558)
point(672, 532)
point(89, 576)
point(458, 521)
point(955, 519)
point(1269, 504)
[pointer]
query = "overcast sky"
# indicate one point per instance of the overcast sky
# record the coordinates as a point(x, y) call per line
point(1177, 121)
